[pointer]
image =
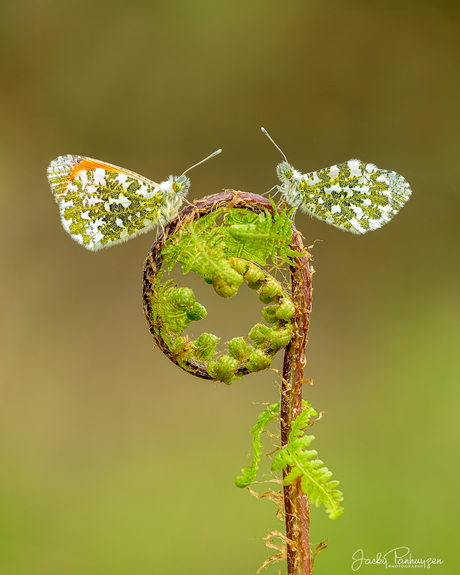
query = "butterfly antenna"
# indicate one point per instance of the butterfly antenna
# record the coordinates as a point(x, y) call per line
point(274, 143)
point(202, 161)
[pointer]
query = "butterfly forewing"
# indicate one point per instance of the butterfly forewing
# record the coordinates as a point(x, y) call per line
point(102, 205)
point(353, 195)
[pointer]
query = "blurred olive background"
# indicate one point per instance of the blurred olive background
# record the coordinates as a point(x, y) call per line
point(113, 461)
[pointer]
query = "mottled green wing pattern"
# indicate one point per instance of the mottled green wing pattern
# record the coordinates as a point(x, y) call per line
point(354, 196)
point(102, 205)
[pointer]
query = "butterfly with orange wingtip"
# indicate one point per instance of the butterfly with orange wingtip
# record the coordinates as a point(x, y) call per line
point(102, 205)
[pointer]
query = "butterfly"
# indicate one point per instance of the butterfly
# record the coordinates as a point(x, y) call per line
point(102, 205)
point(353, 196)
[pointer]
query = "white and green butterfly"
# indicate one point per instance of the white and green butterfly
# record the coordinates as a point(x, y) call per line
point(102, 205)
point(353, 196)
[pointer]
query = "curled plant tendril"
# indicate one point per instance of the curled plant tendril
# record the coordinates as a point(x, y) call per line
point(227, 239)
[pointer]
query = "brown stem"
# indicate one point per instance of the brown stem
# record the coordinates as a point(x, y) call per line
point(296, 506)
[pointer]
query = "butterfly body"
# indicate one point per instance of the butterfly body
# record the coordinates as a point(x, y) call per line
point(353, 196)
point(102, 205)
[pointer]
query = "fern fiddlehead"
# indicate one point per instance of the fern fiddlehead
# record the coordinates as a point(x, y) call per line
point(228, 238)
point(227, 247)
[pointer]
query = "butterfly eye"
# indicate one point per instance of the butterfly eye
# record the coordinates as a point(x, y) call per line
point(177, 187)
point(288, 173)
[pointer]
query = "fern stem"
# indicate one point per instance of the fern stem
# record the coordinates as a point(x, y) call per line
point(296, 506)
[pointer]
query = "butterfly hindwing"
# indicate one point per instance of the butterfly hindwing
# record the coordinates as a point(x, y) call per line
point(102, 205)
point(354, 196)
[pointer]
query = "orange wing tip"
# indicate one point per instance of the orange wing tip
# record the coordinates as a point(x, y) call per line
point(87, 164)
point(64, 169)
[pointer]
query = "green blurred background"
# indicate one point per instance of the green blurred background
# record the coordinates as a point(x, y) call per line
point(115, 462)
